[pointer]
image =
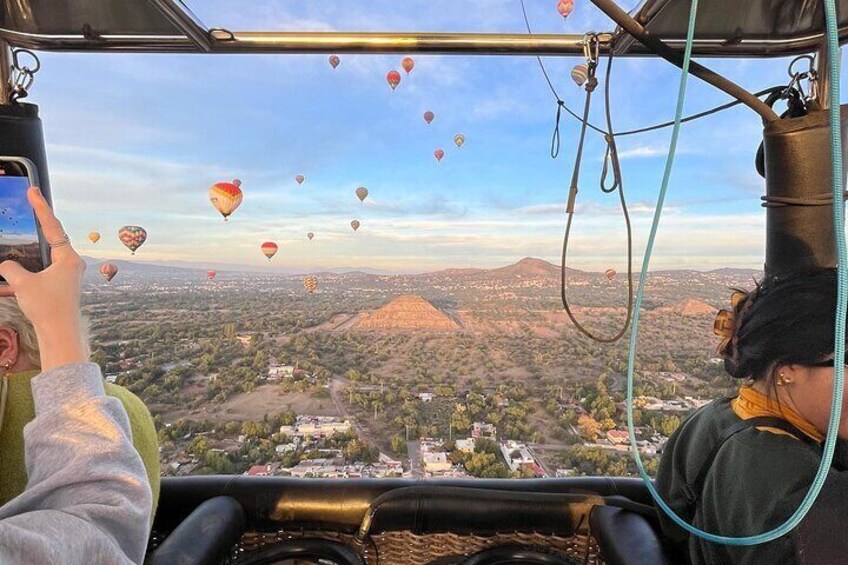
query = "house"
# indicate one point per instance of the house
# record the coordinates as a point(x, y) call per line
point(466, 445)
point(481, 430)
point(517, 455)
point(277, 372)
point(259, 471)
point(435, 461)
point(111, 378)
point(618, 437)
point(426, 396)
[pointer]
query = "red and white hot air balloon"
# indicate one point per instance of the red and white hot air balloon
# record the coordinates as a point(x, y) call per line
point(428, 116)
point(334, 61)
point(564, 7)
point(108, 270)
point(226, 197)
point(393, 78)
point(408, 64)
point(269, 249)
point(438, 154)
point(211, 274)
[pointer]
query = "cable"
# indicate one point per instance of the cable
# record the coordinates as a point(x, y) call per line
point(841, 303)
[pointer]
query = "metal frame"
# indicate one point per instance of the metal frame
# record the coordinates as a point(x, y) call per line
point(5, 73)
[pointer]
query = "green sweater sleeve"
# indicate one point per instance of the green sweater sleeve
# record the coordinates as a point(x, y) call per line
point(20, 410)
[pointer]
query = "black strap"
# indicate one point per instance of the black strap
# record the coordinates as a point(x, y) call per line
point(693, 490)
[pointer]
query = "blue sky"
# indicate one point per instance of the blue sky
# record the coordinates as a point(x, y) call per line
point(17, 221)
point(138, 139)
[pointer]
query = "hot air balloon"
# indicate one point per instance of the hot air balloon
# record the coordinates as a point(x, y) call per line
point(108, 270)
point(133, 237)
point(610, 273)
point(438, 153)
point(226, 197)
point(94, 236)
point(362, 193)
point(564, 7)
point(428, 116)
point(408, 64)
point(211, 274)
point(310, 235)
point(580, 74)
point(310, 283)
point(334, 61)
point(269, 249)
point(459, 139)
point(355, 225)
point(393, 78)
point(299, 179)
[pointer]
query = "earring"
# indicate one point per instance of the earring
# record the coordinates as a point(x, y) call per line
point(782, 380)
point(7, 366)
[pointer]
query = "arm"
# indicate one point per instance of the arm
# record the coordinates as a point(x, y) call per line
point(87, 500)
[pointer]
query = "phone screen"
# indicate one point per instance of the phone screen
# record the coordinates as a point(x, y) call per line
point(18, 232)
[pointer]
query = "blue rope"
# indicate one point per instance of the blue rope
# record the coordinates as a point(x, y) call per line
point(841, 302)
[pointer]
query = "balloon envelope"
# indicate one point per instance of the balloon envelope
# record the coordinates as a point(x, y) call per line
point(310, 235)
point(428, 116)
point(334, 61)
point(564, 7)
point(299, 179)
point(108, 270)
point(610, 273)
point(133, 237)
point(362, 193)
point(269, 249)
point(226, 197)
point(310, 283)
point(211, 274)
point(580, 74)
point(459, 139)
point(393, 78)
point(94, 236)
point(438, 153)
point(408, 64)
point(355, 225)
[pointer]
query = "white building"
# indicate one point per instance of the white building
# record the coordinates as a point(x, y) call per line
point(466, 445)
point(481, 430)
point(426, 396)
point(516, 455)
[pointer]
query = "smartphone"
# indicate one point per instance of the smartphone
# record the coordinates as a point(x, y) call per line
point(20, 234)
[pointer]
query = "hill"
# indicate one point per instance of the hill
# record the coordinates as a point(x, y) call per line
point(407, 312)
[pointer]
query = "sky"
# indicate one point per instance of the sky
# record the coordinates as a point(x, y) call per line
point(138, 139)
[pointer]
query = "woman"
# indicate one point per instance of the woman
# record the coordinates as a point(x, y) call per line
point(741, 466)
point(87, 499)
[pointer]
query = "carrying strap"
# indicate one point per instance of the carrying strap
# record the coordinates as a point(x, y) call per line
point(692, 491)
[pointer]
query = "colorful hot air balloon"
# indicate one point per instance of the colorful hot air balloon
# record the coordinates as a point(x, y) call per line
point(211, 274)
point(94, 236)
point(408, 64)
point(610, 273)
point(459, 139)
point(133, 237)
point(269, 249)
point(310, 235)
point(108, 270)
point(226, 197)
point(362, 193)
point(334, 61)
point(299, 179)
point(580, 74)
point(428, 116)
point(355, 225)
point(564, 7)
point(310, 283)
point(438, 153)
point(393, 78)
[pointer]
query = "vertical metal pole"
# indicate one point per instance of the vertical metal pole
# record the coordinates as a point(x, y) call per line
point(5, 73)
point(822, 94)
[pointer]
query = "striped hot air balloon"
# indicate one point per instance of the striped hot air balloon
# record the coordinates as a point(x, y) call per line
point(393, 78)
point(564, 7)
point(310, 283)
point(429, 116)
point(408, 64)
point(133, 237)
point(438, 154)
point(269, 249)
point(94, 236)
point(580, 74)
point(355, 225)
point(226, 197)
point(108, 270)
point(362, 193)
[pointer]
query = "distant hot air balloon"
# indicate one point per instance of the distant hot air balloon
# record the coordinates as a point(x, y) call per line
point(362, 193)
point(408, 64)
point(269, 249)
point(564, 7)
point(94, 236)
point(108, 270)
point(355, 225)
point(133, 237)
point(610, 273)
point(310, 283)
point(459, 139)
point(226, 197)
point(393, 78)
point(299, 179)
point(211, 274)
point(580, 74)
point(428, 116)
point(438, 153)
point(310, 235)
point(334, 61)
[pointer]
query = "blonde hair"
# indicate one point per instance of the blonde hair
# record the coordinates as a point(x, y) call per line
point(11, 316)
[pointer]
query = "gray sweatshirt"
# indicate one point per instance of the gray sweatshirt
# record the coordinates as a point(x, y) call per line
point(88, 499)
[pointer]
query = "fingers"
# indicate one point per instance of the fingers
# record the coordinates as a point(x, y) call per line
point(51, 227)
point(6, 290)
point(14, 274)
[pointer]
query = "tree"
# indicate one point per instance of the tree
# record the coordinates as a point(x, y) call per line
point(589, 428)
point(399, 445)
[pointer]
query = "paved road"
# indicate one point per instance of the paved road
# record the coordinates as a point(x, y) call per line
point(413, 449)
point(336, 384)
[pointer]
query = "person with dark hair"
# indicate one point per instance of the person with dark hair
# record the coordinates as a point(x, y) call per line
point(741, 466)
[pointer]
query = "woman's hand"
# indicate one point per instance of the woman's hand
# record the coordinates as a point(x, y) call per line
point(50, 298)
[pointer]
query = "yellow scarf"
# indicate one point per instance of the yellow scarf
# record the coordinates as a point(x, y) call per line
point(752, 403)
